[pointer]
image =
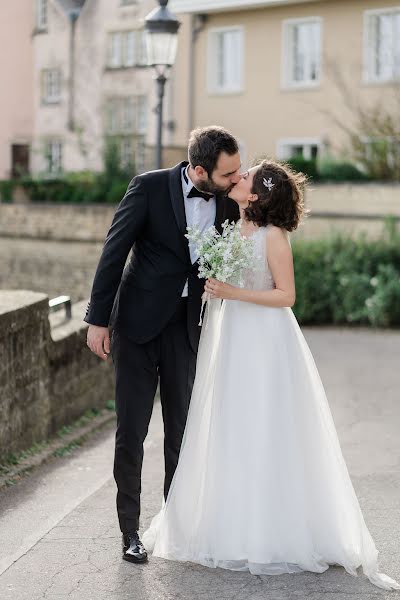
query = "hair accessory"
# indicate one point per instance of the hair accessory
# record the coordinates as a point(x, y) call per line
point(268, 183)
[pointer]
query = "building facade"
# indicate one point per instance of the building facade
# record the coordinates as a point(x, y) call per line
point(91, 84)
point(16, 93)
point(75, 80)
point(287, 77)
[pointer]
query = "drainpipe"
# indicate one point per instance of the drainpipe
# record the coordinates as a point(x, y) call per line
point(73, 17)
point(196, 25)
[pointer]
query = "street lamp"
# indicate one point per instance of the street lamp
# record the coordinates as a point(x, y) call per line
point(161, 37)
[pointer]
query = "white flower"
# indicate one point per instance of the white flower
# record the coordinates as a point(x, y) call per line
point(222, 256)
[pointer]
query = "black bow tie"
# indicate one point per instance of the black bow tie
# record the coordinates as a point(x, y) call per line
point(195, 193)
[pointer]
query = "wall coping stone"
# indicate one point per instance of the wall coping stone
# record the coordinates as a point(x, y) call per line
point(12, 300)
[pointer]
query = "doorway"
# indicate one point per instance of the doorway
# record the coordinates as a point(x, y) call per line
point(19, 160)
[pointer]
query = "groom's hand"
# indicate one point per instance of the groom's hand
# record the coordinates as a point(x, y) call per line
point(98, 340)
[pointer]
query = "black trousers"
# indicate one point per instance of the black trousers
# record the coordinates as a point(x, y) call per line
point(169, 360)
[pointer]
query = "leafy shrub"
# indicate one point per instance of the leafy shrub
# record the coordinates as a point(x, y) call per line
point(341, 280)
point(330, 169)
point(6, 190)
point(78, 188)
point(117, 191)
point(383, 306)
point(306, 166)
point(313, 282)
point(352, 289)
point(84, 186)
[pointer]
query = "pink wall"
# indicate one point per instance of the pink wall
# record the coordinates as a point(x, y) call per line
point(16, 78)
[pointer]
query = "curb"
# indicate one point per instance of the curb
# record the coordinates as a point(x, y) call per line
point(67, 442)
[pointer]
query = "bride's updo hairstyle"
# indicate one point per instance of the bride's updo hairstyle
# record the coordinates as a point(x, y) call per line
point(280, 196)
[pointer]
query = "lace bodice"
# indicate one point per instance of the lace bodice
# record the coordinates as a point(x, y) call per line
point(260, 277)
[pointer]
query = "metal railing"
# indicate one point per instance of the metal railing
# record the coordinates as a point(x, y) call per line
point(59, 302)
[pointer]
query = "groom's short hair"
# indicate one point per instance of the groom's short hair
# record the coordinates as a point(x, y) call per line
point(207, 143)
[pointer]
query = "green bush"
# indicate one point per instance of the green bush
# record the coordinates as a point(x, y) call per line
point(330, 169)
point(77, 188)
point(341, 280)
point(306, 166)
point(383, 306)
point(84, 186)
point(117, 191)
point(6, 190)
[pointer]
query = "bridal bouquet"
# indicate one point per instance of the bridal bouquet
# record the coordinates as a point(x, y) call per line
point(222, 256)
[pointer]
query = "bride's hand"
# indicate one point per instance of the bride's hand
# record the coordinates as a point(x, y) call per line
point(217, 289)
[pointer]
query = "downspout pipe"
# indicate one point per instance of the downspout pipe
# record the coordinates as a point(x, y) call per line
point(197, 25)
point(73, 17)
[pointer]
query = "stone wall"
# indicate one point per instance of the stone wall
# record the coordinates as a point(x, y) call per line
point(62, 222)
point(55, 248)
point(52, 267)
point(48, 376)
point(90, 223)
point(349, 209)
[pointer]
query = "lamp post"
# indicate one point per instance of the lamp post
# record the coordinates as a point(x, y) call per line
point(161, 37)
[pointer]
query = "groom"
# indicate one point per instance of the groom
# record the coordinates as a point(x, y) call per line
point(156, 311)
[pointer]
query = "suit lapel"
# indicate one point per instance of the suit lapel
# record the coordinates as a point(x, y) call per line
point(177, 201)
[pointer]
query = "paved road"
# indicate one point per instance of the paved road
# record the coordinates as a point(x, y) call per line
point(58, 527)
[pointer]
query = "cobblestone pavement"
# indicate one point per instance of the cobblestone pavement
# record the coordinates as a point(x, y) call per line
point(59, 532)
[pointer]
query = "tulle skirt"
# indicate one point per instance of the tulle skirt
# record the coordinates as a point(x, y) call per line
point(261, 483)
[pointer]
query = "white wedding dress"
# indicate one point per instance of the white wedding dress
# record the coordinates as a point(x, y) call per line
point(261, 483)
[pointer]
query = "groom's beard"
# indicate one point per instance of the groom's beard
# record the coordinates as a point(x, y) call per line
point(212, 188)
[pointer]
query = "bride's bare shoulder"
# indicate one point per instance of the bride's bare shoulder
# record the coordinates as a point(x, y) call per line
point(276, 233)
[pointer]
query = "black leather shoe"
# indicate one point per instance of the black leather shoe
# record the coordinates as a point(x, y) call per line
point(133, 549)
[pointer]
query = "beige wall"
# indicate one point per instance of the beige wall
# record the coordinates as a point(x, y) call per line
point(50, 52)
point(16, 110)
point(264, 113)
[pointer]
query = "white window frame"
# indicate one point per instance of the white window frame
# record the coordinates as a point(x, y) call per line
point(129, 55)
point(287, 80)
point(126, 142)
point(213, 86)
point(141, 47)
point(113, 116)
point(126, 115)
point(51, 86)
point(307, 144)
point(42, 14)
point(115, 49)
point(140, 154)
point(54, 156)
point(132, 152)
point(129, 114)
point(369, 75)
point(126, 48)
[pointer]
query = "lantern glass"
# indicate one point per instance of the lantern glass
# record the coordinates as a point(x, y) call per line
point(161, 48)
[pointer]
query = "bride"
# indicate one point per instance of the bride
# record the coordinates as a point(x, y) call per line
point(261, 483)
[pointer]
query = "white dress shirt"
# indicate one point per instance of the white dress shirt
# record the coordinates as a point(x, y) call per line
point(200, 213)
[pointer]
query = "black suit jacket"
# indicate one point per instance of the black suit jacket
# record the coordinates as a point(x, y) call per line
point(150, 220)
